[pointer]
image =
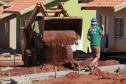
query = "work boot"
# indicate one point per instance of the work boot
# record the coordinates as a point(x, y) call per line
point(90, 67)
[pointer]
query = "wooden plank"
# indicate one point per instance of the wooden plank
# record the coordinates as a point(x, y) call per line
point(54, 11)
point(118, 69)
point(79, 69)
point(35, 70)
point(53, 8)
point(55, 72)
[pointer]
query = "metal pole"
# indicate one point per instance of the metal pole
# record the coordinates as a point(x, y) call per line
point(14, 58)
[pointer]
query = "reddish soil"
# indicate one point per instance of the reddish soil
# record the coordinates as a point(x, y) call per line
point(92, 78)
point(6, 61)
point(60, 38)
point(86, 62)
point(108, 62)
point(57, 46)
point(49, 66)
point(11, 64)
point(31, 70)
point(65, 65)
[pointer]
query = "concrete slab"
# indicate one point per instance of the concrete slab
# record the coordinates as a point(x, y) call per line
point(7, 68)
point(15, 80)
point(86, 71)
point(49, 75)
point(20, 80)
point(112, 67)
point(5, 80)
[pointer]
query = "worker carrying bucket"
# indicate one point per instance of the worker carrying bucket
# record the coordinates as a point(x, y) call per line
point(93, 35)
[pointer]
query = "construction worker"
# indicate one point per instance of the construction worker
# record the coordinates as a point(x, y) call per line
point(94, 35)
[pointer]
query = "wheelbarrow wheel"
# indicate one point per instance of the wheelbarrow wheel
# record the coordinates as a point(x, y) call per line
point(69, 53)
point(27, 57)
point(34, 58)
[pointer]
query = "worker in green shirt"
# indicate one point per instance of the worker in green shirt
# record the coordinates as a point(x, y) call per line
point(94, 36)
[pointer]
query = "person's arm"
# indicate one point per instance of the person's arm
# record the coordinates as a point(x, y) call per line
point(102, 34)
point(88, 37)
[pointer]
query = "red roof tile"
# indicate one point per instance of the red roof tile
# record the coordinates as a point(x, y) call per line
point(104, 3)
point(1, 8)
point(19, 5)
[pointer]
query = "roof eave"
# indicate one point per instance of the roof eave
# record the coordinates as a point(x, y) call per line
point(5, 15)
point(8, 13)
point(84, 1)
point(95, 8)
point(3, 2)
point(26, 10)
point(119, 7)
point(14, 12)
point(31, 8)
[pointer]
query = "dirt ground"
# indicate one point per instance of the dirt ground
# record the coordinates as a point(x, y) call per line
point(95, 77)
point(64, 65)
